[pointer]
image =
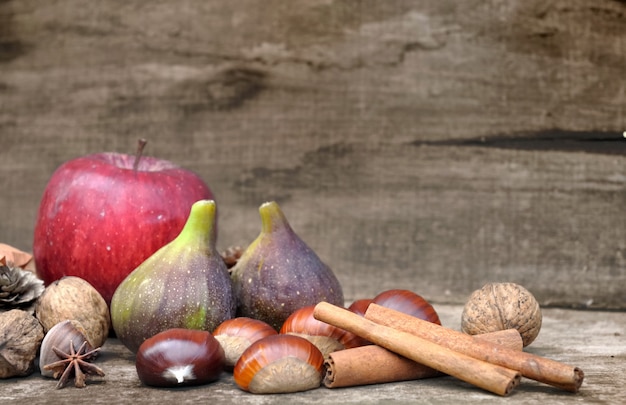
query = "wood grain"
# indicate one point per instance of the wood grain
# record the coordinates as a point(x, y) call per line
point(382, 128)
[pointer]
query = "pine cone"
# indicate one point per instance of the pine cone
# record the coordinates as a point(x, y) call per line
point(18, 288)
point(231, 256)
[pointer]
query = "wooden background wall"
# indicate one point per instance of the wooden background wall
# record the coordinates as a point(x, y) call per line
point(433, 145)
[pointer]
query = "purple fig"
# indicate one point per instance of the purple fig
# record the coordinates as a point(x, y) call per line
point(185, 284)
point(278, 273)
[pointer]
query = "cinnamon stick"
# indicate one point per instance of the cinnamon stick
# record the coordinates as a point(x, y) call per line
point(535, 367)
point(373, 364)
point(496, 379)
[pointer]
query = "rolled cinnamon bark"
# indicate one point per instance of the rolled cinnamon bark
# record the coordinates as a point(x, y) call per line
point(373, 364)
point(535, 367)
point(496, 379)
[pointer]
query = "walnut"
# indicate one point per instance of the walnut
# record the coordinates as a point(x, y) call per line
point(499, 306)
point(20, 337)
point(74, 298)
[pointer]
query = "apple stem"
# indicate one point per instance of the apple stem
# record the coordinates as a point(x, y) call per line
point(141, 143)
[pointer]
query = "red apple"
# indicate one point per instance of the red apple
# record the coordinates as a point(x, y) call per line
point(103, 214)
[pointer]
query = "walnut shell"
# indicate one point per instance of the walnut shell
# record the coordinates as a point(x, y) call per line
point(74, 298)
point(499, 306)
point(20, 337)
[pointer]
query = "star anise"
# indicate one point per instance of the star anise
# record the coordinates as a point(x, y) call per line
point(76, 363)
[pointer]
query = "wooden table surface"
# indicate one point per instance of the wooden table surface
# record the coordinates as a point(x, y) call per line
point(595, 341)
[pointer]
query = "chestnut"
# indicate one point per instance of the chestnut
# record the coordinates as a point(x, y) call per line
point(360, 306)
point(409, 303)
point(236, 334)
point(327, 338)
point(279, 364)
point(179, 357)
point(66, 352)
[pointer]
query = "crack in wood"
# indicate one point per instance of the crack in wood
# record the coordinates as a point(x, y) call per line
point(11, 49)
point(598, 142)
point(226, 90)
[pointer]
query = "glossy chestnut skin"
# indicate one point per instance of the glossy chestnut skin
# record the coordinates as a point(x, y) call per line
point(179, 357)
point(279, 364)
point(237, 334)
point(360, 306)
point(327, 338)
point(409, 303)
point(61, 336)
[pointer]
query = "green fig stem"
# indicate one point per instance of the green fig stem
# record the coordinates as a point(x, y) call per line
point(200, 226)
point(141, 143)
point(272, 217)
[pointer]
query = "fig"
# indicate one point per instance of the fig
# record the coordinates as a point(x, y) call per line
point(185, 284)
point(279, 273)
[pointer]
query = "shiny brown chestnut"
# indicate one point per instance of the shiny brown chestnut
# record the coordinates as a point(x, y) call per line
point(237, 334)
point(66, 352)
point(61, 336)
point(409, 303)
point(327, 338)
point(279, 364)
point(360, 306)
point(179, 357)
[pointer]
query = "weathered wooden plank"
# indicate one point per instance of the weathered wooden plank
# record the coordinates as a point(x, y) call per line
point(364, 120)
point(597, 348)
point(551, 221)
